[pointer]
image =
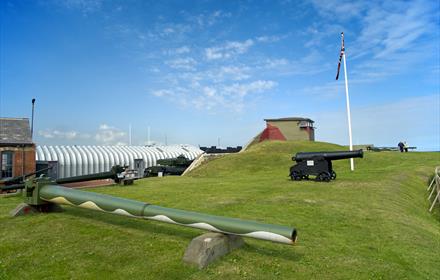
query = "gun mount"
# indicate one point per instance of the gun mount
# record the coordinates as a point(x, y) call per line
point(319, 164)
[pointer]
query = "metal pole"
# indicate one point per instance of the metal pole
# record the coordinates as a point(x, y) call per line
point(348, 112)
point(129, 134)
point(32, 121)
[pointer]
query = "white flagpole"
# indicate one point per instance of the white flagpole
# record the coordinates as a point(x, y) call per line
point(348, 111)
point(129, 134)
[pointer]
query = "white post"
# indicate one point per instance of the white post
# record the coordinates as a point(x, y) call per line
point(129, 134)
point(348, 112)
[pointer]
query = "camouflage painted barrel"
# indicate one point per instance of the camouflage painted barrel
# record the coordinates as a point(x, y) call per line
point(133, 208)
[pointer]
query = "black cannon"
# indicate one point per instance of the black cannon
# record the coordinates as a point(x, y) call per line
point(319, 164)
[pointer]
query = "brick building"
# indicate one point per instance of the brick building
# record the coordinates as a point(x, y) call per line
point(293, 128)
point(17, 152)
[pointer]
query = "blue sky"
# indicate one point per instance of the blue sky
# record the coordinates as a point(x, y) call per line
point(197, 71)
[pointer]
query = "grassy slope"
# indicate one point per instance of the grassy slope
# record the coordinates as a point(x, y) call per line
point(372, 223)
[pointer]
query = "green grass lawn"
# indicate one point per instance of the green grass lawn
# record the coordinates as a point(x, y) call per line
point(369, 224)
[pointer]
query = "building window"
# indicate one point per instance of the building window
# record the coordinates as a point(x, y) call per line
point(304, 124)
point(6, 164)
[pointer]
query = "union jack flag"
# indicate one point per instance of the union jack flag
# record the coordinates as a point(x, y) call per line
point(341, 54)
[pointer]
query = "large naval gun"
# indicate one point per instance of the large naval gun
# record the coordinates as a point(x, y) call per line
point(319, 164)
point(42, 194)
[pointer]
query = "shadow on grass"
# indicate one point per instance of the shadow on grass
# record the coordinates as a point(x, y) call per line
point(185, 234)
point(286, 252)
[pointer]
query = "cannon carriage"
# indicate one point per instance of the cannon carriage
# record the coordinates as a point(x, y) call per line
point(318, 164)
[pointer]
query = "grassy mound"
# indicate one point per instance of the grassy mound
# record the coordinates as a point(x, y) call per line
point(371, 223)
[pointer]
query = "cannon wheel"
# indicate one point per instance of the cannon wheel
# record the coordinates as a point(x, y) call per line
point(323, 177)
point(295, 176)
point(333, 176)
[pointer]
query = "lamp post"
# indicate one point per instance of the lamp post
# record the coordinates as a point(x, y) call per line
point(32, 121)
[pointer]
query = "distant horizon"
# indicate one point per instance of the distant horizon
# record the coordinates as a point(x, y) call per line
point(155, 142)
point(194, 72)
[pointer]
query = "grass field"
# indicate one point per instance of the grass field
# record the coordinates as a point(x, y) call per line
point(369, 224)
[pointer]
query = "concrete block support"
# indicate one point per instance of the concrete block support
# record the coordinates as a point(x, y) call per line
point(208, 247)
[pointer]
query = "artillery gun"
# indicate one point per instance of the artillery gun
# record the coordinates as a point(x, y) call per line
point(178, 161)
point(117, 173)
point(319, 164)
point(42, 194)
point(169, 166)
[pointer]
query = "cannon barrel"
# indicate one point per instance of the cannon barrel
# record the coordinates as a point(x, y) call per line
point(329, 155)
point(20, 179)
point(106, 203)
point(12, 187)
point(112, 174)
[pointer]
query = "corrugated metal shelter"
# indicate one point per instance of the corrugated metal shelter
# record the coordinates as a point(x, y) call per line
point(82, 160)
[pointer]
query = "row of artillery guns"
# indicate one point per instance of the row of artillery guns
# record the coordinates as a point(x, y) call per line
point(319, 164)
point(44, 194)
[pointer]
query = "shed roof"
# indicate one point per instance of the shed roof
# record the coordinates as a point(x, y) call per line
point(289, 119)
point(15, 131)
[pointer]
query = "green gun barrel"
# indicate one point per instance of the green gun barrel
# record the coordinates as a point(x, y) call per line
point(112, 174)
point(12, 187)
point(132, 208)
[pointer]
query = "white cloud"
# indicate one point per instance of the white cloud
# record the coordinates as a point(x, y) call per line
point(228, 50)
point(254, 87)
point(216, 97)
point(168, 31)
point(269, 39)
point(187, 63)
point(276, 62)
point(387, 30)
point(57, 134)
point(84, 6)
point(226, 73)
point(213, 53)
point(339, 8)
point(385, 38)
point(208, 19)
point(311, 63)
point(108, 135)
point(161, 93)
point(329, 90)
point(182, 50)
point(210, 92)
